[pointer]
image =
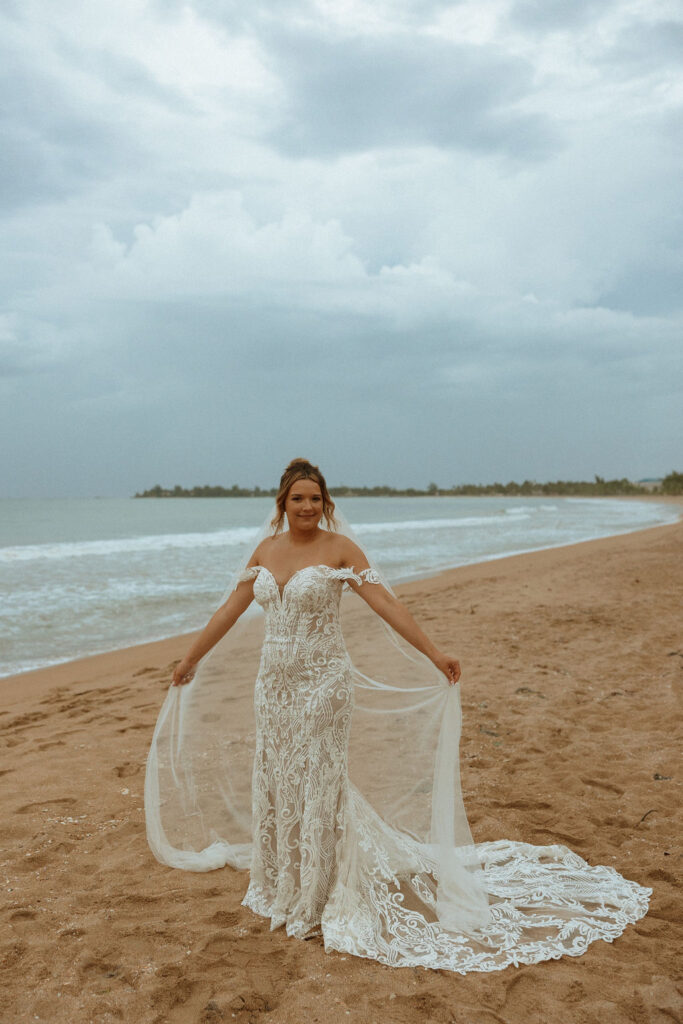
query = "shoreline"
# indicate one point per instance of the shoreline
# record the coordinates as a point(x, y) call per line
point(399, 580)
point(546, 547)
point(38, 679)
point(646, 495)
point(572, 662)
point(398, 493)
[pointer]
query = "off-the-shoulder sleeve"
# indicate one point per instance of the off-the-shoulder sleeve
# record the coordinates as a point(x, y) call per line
point(247, 574)
point(364, 576)
point(345, 575)
point(370, 576)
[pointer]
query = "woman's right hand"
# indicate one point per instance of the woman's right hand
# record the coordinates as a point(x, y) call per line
point(449, 666)
point(183, 673)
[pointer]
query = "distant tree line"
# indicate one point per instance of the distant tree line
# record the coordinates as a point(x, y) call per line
point(207, 491)
point(672, 484)
point(599, 487)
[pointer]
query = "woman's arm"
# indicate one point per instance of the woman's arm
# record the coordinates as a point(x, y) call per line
point(399, 618)
point(216, 628)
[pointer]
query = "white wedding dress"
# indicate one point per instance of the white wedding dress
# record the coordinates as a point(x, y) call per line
point(322, 860)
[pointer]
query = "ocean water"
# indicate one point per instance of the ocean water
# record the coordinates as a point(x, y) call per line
point(81, 576)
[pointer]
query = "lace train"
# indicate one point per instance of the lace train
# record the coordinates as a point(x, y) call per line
point(323, 861)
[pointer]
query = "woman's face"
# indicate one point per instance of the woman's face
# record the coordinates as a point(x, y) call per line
point(304, 505)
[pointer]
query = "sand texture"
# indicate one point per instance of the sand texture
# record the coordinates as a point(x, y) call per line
point(572, 669)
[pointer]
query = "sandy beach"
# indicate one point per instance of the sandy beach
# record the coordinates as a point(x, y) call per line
point(572, 668)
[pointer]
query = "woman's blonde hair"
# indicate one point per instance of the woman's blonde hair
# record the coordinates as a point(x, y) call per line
point(302, 469)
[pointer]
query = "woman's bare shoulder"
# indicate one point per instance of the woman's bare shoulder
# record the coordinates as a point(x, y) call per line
point(261, 551)
point(349, 554)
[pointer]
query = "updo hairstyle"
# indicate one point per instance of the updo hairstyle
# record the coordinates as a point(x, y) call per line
point(302, 469)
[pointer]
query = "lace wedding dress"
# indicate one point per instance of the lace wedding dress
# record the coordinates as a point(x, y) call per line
point(322, 860)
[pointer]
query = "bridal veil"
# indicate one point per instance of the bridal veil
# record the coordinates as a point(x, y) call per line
point(403, 754)
point(413, 888)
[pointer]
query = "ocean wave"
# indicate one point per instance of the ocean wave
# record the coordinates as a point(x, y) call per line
point(103, 594)
point(221, 538)
point(153, 542)
point(425, 524)
point(235, 537)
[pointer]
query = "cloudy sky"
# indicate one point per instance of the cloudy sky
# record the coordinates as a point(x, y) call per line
point(407, 239)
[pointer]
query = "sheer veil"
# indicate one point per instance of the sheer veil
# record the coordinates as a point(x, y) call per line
point(403, 765)
point(409, 886)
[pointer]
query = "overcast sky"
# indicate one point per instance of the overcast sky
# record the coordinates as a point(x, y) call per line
point(411, 241)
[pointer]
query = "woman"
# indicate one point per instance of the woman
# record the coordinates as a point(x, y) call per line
point(343, 798)
point(305, 501)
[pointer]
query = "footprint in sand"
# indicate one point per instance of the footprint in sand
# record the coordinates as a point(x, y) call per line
point(174, 990)
point(31, 861)
point(609, 787)
point(22, 722)
point(250, 986)
point(125, 771)
point(249, 1001)
point(225, 919)
point(559, 837)
point(62, 803)
point(524, 805)
point(521, 995)
point(51, 743)
point(22, 920)
point(212, 1012)
point(93, 969)
point(220, 944)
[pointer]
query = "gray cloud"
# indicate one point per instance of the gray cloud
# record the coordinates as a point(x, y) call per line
point(179, 394)
point(53, 146)
point(649, 290)
point(274, 233)
point(551, 15)
point(125, 76)
point(645, 48)
point(350, 95)
point(30, 171)
point(238, 16)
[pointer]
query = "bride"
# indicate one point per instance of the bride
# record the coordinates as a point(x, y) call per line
point(334, 778)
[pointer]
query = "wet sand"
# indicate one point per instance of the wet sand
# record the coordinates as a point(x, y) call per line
point(572, 668)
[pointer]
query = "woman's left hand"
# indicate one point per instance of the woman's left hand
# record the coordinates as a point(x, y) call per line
point(183, 673)
point(449, 666)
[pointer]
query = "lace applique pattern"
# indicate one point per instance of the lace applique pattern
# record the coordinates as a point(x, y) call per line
point(303, 701)
point(364, 576)
point(247, 574)
point(370, 576)
point(323, 859)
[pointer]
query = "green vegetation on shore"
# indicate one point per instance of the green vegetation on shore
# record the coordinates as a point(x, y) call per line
point(671, 484)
